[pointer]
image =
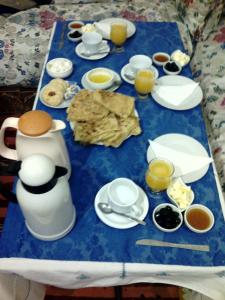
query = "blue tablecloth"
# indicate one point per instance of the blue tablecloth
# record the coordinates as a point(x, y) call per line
point(94, 166)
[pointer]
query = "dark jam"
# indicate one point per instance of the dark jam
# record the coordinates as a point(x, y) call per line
point(167, 218)
point(171, 66)
point(75, 34)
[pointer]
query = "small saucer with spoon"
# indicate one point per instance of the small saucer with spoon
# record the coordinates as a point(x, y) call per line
point(133, 216)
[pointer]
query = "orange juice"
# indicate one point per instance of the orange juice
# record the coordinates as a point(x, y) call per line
point(144, 82)
point(118, 33)
point(159, 174)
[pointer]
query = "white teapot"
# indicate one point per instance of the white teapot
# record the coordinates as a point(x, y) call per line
point(37, 132)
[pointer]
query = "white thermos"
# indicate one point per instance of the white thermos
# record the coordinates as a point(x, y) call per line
point(44, 196)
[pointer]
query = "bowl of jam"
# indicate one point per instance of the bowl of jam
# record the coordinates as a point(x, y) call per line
point(74, 35)
point(160, 58)
point(172, 68)
point(167, 217)
point(75, 25)
point(198, 218)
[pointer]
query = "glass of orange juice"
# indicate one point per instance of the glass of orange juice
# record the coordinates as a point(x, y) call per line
point(118, 35)
point(144, 83)
point(159, 174)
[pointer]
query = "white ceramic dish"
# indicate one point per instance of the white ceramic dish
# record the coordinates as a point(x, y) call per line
point(182, 58)
point(59, 67)
point(105, 49)
point(75, 22)
point(66, 101)
point(116, 84)
point(160, 63)
point(103, 85)
point(204, 208)
point(193, 100)
point(174, 208)
point(73, 39)
point(126, 70)
point(172, 72)
point(175, 202)
point(186, 144)
point(107, 23)
point(117, 221)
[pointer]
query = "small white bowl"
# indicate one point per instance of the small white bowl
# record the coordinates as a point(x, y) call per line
point(59, 67)
point(206, 210)
point(179, 183)
point(174, 209)
point(160, 54)
point(74, 39)
point(101, 72)
point(73, 25)
point(168, 72)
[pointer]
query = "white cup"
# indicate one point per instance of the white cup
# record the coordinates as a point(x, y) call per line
point(138, 62)
point(92, 41)
point(123, 195)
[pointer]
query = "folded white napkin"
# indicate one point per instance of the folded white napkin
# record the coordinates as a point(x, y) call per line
point(103, 29)
point(175, 94)
point(184, 163)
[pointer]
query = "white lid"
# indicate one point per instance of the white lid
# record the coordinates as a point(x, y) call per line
point(36, 169)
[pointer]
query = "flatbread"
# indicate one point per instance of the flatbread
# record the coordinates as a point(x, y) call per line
point(84, 108)
point(117, 103)
point(98, 120)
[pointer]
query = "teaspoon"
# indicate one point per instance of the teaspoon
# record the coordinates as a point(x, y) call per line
point(107, 209)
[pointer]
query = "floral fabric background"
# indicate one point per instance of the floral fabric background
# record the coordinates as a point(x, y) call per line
point(200, 16)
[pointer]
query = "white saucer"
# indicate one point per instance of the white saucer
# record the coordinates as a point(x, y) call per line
point(67, 99)
point(114, 220)
point(193, 100)
point(112, 88)
point(80, 48)
point(126, 70)
point(186, 144)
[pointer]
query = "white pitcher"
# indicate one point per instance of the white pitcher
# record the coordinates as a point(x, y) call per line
point(50, 143)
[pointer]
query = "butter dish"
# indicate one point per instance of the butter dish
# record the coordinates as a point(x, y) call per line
point(180, 194)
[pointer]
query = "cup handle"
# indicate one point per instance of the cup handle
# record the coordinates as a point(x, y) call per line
point(4, 150)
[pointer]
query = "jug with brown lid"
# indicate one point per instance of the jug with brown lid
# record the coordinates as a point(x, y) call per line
point(37, 133)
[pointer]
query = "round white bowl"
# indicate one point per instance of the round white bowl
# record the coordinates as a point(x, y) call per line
point(204, 208)
point(174, 208)
point(59, 67)
point(172, 72)
point(160, 63)
point(70, 25)
point(102, 85)
point(73, 39)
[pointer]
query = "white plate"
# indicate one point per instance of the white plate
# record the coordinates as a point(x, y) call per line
point(80, 49)
point(66, 101)
point(126, 70)
point(112, 88)
point(192, 101)
point(186, 144)
point(114, 220)
point(130, 26)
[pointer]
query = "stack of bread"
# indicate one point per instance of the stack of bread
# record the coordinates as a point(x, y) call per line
point(103, 117)
point(53, 92)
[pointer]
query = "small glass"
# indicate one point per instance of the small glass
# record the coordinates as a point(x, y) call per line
point(118, 36)
point(159, 174)
point(144, 83)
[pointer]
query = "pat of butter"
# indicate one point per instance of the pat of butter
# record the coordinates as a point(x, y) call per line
point(88, 28)
point(180, 57)
point(180, 193)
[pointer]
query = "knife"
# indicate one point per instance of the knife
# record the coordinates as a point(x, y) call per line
point(155, 243)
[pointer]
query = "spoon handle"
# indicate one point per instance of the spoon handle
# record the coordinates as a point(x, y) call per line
point(131, 217)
